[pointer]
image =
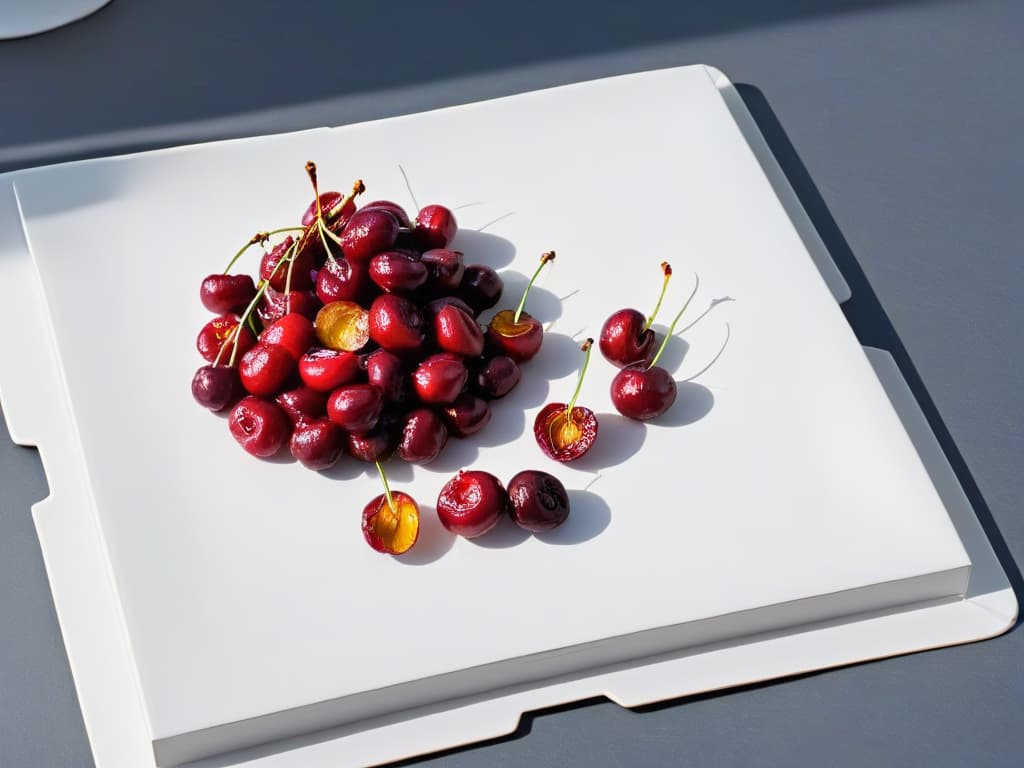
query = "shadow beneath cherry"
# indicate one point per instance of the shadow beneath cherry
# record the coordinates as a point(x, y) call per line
point(618, 439)
point(693, 402)
point(504, 535)
point(458, 453)
point(541, 303)
point(433, 543)
point(484, 248)
point(559, 356)
point(508, 415)
point(589, 515)
point(675, 350)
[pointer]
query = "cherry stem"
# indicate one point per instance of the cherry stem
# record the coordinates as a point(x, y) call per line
point(325, 231)
point(544, 259)
point(311, 170)
point(672, 328)
point(387, 488)
point(259, 237)
point(666, 268)
point(288, 256)
point(579, 382)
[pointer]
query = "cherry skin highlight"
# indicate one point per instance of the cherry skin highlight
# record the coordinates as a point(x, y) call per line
point(467, 415)
point(435, 227)
point(327, 369)
point(367, 233)
point(395, 323)
point(440, 378)
point(259, 426)
point(355, 407)
point(423, 436)
point(625, 340)
point(264, 369)
point(643, 393)
point(293, 333)
point(317, 444)
point(472, 503)
point(302, 404)
point(457, 332)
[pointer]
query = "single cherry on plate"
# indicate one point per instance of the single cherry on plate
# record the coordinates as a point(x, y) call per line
point(518, 334)
point(423, 436)
point(566, 432)
point(219, 334)
point(217, 387)
point(391, 521)
point(458, 332)
point(435, 227)
point(259, 426)
point(646, 390)
point(317, 444)
point(626, 336)
point(538, 501)
point(472, 503)
point(226, 293)
point(396, 323)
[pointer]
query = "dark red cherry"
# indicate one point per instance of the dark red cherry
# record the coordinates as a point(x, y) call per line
point(440, 378)
point(219, 331)
point(301, 268)
point(397, 272)
point(472, 503)
point(217, 388)
point(396, 323)
point(423, 436)
point(227, 293)
point(367, 233)
point(538, 501)
point(259, 426)
point(565, 436)
point(294, 333)
point(385, 371)
point(435, 227)
point(355, 407)
point(274, 305)
point(467, 415)
point(521, 340)
point(264, 369)
point(375, 445)
point(331, 203)
point(497, 377)
point(327, 369)
point(341, 280)
point(302, 404)
point(642, 393)
point(317, 444)
point(441, 302)
point(456, 331)
point(625, 339)
point(446, 269)
point(393, 208)
point(481, 287)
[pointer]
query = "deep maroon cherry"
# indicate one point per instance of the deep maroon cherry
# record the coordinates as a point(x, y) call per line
point(481, 287)
point(456, 331)
point(300, 269)
point(626, 337)
point(274, 305)
point(435, 227)
point(397, 272)
point(259, 426)
point(375, 445)
point(472, 503)
point(539, 501)
point(327, 369)
point(497, 377)
point(220, 331)
point(441, 302)
point(423, 436)
point(334, 206)
point(642, 393)
point(446, 269)
point(294, 333)
point(227, 293)
point(440, 378)
point(264, 369)
point(367, 233)
point(467, 415)
point(317, 444)
point(566, 432)
point(393, 208)
point(217, 387)
point(385, 371)
point(396, 323)
point(518, 334)
point(355, 407)
point(342, 280)
point(302, 404)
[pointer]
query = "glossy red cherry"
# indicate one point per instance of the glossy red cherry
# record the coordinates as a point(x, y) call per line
point(435, 306)
point(264, 369)
point(259, 426)
point(220, 331)
point(397, 272)
point(467, 415)
point(317, 444)
point(396, 323)
point(274, 305)
point(423, 436)
point(538, 501)
point(301, 268)
point(393, 208)
point(456, 331)
point(391, 521)
point(566, 432)
point(440, 378)
point(334, 207)
point(497, 377)
point(446, 269)
point(327, 369)
point(217, 388)
point(302, 404)
point(643, 393)
point(518, 334)
point(355, 407)
point(367, 233)
point(227, 293)
point(481, 287)
point(386, 372)
point(626, 337)
point(293, 333)
point(472, 503)
point(342, 280)
point(435, 227)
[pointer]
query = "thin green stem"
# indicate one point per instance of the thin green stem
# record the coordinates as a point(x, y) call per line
point(666, 268)
point(259, 237)
point(579, 382)
point(672, 328)
point(387, 488)
point(323, 232)
point(544, 259)
point(255, 300)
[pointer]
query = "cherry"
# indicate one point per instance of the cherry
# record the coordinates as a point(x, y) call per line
point(467, 415)
point(342, 325)
point(217, 387)
point(441, 302)
point(395, 323)
point(566, 432)
point(335, 207)
point(293, 333)
point(423, 436)
point(299, 269)
point(317, 444)
point(375, 445)
point(497, 377)
point(342, 280)
point(472, 503)
point(440, 378)
point(456, 331)
point(397, 271)
point(519, 335)
point(481, 287)
point(264, 369)
point(226, 293)
point(384, 371)
point(391, 521)
point(446, 268)
point(355, 407)
point(219, 334)
point(259, 426)
point(328, 369)
point(538, 501)
point(435, 227)
point(274, 305)
point(368, 232)
point(393, 208)
point(302, 404)
point(626, 337)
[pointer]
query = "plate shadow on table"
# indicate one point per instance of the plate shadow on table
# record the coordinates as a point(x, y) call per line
point(868, 318)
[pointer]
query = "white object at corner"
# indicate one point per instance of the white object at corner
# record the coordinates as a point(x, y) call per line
point(20, 18)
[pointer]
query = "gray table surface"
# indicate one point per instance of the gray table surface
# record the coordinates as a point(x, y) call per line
point(898, 122)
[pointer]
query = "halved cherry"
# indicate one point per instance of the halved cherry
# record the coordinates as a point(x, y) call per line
point(293, 333)
point(566, 432)
point(219, 334)
point(391, 521)
point(343, 325)
point(518, 334)
point(626, 336)
point(327, 369)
